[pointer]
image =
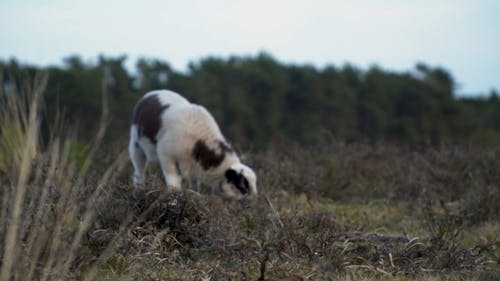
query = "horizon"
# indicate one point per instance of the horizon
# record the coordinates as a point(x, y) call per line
point(458, 36)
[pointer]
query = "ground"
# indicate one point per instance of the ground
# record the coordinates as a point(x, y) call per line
point(339, 212)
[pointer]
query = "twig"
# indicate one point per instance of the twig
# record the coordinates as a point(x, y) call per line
point(263, 262)
point(274, 211)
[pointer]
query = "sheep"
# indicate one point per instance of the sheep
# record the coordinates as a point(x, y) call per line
point(185, 140)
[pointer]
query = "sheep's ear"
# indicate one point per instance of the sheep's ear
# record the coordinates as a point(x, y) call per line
point(232, 176)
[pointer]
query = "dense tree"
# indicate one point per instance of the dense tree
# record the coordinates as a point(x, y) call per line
point(258, 100)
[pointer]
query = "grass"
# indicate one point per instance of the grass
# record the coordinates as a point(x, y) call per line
point(335, 211)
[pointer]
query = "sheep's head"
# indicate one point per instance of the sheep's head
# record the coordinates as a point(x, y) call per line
point(240, 180)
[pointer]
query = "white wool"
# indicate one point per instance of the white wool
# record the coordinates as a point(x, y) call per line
point(183, 124)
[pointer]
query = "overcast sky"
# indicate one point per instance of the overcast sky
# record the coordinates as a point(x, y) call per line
point(462, 36)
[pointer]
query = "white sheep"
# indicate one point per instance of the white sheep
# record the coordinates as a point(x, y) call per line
point(187, 143)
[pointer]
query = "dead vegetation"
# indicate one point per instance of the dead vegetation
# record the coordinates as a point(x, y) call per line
point(334, 211)
point(190, 237)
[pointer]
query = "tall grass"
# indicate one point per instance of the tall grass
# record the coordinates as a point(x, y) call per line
point(47, 204)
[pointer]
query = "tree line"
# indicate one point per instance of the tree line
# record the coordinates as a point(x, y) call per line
point(258, 100)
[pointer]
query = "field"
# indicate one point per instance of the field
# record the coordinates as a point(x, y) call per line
point(332, 211)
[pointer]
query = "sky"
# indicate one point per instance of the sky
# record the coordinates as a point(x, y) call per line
point(462, 36)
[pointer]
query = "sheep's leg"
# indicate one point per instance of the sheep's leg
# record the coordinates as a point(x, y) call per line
point(171, 173)
point(139, 162)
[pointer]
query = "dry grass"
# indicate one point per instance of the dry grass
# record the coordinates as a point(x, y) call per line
point(333, 212)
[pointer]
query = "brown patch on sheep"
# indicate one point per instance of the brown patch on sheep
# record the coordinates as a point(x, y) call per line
point(147, 117)
point(207, 157)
